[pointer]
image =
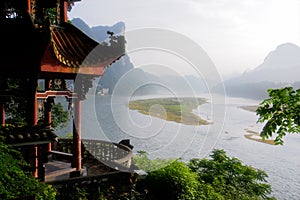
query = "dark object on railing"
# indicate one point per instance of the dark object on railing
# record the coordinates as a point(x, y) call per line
point(126, 142)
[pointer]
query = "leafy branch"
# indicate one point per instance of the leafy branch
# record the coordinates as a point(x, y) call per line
point(281, 112)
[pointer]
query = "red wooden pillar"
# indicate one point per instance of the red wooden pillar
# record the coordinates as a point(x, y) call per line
point(77, 136)
point(48, 107)
point(63, 11)
point(48, 118)
point(28, 6)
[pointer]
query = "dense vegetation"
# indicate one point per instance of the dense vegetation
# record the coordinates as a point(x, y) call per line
point(16, 180)
point(172, 109)
point(60, 117)
point(217, 177)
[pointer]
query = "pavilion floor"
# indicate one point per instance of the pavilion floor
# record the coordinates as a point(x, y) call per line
point(57, 170)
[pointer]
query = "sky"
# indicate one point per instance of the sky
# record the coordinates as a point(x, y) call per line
point(236, 34)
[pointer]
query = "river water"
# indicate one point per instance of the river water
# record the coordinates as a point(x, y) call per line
point(108, 118)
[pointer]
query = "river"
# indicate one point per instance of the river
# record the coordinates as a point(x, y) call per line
point(107, 118)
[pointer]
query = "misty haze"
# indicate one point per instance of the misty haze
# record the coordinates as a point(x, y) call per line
point(239, 133)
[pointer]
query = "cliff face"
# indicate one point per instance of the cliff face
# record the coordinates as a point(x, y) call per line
point(99, 33)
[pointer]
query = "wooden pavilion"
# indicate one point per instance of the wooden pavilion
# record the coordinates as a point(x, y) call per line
point(39, 45)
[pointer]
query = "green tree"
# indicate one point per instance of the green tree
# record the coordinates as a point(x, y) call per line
point(60, 117)
point(216, 178)
point(175, 181)
point(144, 163)
point(281, 112)
point(16, 181)
point(230, 178)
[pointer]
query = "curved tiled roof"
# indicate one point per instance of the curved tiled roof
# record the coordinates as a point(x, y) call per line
point(72, 51)
point(27, 50)
point(70, 46)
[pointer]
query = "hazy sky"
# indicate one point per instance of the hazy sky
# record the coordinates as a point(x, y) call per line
point(236, 34)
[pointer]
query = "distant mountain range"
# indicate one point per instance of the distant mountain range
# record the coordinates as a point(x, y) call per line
point(147, 83)
point(280, 68)
point(98, 33)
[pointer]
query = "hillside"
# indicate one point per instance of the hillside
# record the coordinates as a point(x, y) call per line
point(144, 82)
point(280, 68)
point(99, 33)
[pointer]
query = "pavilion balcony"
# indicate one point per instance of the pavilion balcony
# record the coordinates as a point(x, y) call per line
point(98, 157)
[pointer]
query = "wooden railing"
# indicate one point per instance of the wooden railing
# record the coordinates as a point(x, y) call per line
point(109, 153)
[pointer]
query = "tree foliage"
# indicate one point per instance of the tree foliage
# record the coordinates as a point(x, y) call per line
point(60, 117)
point(230, 178)
point(175, 181)
point(16, 181)
point(217, 177)
point(281, 112)
point(144, 163)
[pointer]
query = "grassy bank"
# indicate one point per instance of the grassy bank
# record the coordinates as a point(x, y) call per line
point(171, 109)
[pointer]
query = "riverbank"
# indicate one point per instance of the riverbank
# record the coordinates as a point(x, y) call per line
point(252, 135)
point(171, 109)
point(251, 108)
point(173, 140)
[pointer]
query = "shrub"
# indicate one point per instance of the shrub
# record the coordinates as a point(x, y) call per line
point(175, 181)
point(16, 181)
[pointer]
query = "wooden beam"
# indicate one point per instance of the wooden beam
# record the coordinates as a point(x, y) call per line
point(47, 94)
